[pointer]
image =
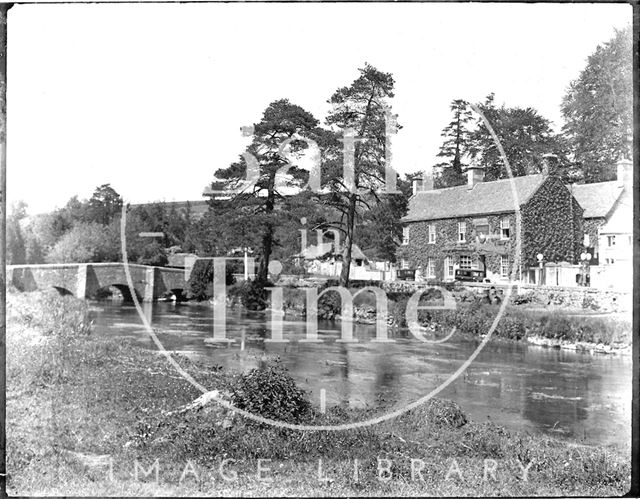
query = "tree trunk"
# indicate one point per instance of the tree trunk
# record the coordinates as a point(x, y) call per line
point(267, 238)
point(346, 261)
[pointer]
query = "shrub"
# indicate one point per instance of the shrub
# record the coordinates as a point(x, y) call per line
point(272, 393)
point(252, 294)
point(443, 413)
point(329, 304)
point(523, 299)
point(589, 303)
point(153, 254)
point(60, 316)
point(200, 285)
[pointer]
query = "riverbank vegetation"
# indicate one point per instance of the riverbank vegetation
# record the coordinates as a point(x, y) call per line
point(82, 411)
point(473, 316)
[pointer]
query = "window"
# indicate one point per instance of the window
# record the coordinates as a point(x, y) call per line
point(449, 271)
point(481, 227)
point(504, 228)
point(431, 267)
point(611, 241)
point(505, 266)
point(404, 263)
point(432, 234)
point(462, 232)
point(465, 262)
point(405, 235)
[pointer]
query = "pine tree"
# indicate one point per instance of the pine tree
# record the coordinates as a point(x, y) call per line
point(456, 145)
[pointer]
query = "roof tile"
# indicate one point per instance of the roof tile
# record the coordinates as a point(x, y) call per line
point(485, 198)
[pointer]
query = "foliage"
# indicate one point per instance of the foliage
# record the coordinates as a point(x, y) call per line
point(526, 137)
point(252, 293)
point(456, 145)
point(380, 230)
point(361, 107)
point(280, 122)
point(476, 318)
point(16, 251)
point(598, 109)
point(561, 216)
point(87, 242)
point(51, 236)
point(153, 254)
point(271, 392)
point(103, 206)
point(200, 285)
point(226, 227)
point(176, 226)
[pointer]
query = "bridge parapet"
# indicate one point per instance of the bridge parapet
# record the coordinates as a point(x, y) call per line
point(85, 279)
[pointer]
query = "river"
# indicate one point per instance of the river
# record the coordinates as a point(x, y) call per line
point(582, 397)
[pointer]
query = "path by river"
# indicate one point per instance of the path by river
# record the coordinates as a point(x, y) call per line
point(582, 397)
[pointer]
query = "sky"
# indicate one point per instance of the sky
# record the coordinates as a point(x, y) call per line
point(151, 97)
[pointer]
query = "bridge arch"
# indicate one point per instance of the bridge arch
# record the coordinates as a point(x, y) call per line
point(62, 291)
point(108, 291)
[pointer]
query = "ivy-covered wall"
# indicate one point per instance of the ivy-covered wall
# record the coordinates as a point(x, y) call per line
point(419, 250)
point(551, 225)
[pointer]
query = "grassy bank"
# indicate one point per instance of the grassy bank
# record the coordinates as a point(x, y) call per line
point(83, 410)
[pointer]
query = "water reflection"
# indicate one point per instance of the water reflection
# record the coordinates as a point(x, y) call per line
point(565, 394)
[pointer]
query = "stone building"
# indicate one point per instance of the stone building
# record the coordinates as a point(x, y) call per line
point(474, 226)
point(608, 226)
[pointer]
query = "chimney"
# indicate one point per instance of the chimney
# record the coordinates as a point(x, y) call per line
point(624, 174)
point(423, 184)
point(549, 164)
point(475, 174)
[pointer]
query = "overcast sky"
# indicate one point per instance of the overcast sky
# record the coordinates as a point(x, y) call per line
point(151, 98)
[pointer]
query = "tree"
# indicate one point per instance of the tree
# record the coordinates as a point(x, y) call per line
point(380, 232)
point(281, 121)
point(361, 107)
point(526, 137)
point(16, 251)
point(456, 144)
point(227, 227)
point(598, 109)
point(87, 242)
point(104, 205)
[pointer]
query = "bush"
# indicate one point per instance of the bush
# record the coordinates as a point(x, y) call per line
point(329, 304)
point(87, 242)
point(60, 316)
point(153, 254)
point(272, 393)
point(523, 299)
point(252, 294)
point(200, 285)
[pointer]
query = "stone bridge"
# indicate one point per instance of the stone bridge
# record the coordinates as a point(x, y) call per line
point(84, 280)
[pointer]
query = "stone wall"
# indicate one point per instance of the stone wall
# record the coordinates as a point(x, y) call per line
point(577, 298)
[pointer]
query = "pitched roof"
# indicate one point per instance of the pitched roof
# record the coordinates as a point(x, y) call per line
point(485, 198)
point(596, 199)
